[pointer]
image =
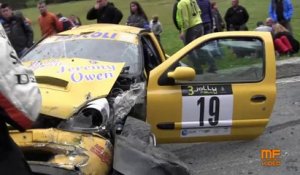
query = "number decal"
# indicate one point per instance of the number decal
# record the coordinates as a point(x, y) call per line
point(201, 104)
point(214, 110)
point(191, 90)
point(206, 110)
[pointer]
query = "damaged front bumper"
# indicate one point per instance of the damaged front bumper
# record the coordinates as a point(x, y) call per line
point(53, 151)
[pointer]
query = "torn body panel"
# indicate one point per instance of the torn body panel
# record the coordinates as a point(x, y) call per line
point(63, 151)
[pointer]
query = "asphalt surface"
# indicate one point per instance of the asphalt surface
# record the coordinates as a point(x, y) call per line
point(288, 67)
point(243, 157)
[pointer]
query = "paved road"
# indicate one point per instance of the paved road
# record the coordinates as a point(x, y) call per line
point(243, 157)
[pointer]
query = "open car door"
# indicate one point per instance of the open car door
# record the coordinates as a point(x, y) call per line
point(219, 87)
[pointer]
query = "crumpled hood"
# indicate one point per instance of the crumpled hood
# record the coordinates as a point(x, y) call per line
point(67, 84)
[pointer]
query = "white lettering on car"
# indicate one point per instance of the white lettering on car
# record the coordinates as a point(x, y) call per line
point(78, 77)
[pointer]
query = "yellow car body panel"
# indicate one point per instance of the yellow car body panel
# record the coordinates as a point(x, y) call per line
point(69, 81)
point(91, 154)
point(103, 35)
point(164, 102)
point(103, 28)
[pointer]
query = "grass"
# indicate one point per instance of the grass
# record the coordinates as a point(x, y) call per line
point(258, 11)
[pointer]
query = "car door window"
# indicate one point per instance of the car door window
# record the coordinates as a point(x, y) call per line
point(151, 55)
point(227, 60)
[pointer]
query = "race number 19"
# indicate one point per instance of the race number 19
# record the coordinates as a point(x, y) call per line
point(207, 111)
point(214, 110)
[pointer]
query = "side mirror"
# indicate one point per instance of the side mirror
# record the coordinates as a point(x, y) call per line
point(182, 74)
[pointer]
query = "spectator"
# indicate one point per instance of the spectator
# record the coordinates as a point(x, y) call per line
point(189, 20)
point(156, 27)
point(206, 15)
point(174, 13)
point(20, 14)
point(282, 11)
point(218, 23)
point(75, 19)
point(284, 41)
point(269, 22)
point(260, 26)
point(105, 12)
point(19, 106)
point(137, 17)
point(236, 17)
point(190, 24)
point(66, 23)
point(19, 32)
point(48, 21)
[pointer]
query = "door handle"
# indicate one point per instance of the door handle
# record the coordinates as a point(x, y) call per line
point(258, 98)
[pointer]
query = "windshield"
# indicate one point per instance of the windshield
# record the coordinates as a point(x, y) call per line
point(95, 49)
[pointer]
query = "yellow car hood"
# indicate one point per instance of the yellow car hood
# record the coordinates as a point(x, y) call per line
point(67, 84)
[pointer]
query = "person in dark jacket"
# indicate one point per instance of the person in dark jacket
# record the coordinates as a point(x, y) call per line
point(236, 17)
point(105, 12)
point(138, 17)
point(218, 23)
point(206, 15)
point(17, 29)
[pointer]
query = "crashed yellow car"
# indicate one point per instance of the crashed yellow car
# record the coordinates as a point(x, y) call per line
point(219, 87)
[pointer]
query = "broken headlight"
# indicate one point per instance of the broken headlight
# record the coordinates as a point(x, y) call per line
point(91, 118)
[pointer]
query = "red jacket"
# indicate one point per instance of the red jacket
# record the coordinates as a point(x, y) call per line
point(49, 24)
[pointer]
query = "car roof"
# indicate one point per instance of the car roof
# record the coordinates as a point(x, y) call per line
point(103, 28)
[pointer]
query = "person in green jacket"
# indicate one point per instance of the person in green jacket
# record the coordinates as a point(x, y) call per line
point(189, 20)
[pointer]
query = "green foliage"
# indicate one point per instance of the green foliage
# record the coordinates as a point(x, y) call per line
point(31, 3)
point(17, 4)
point(258, 11)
